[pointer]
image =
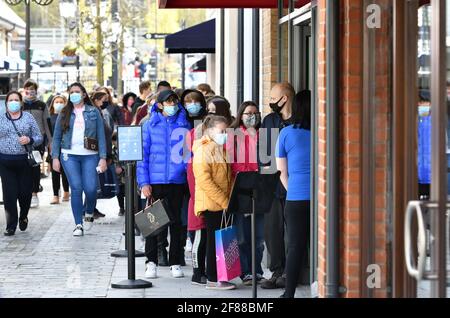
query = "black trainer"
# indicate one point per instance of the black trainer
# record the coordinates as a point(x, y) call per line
point(270, 283)
point(9, 232)
point(23, 224)
point(121, 212)
point(199, 280)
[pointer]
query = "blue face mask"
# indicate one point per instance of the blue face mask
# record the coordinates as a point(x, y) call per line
point(58, 107)
point(424, 110)
point(14, 106)
point(220, 139)
point(75, 98)
point(171, 110)
point(194, 109)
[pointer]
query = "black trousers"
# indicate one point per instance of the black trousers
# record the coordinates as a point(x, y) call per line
point(274, 233)
point(56, 182)
point(199, 252)
point(297, 221)
point(121, 196)
point(173, 194)
point(16, 185)
point(36, 171)
point(213, 220)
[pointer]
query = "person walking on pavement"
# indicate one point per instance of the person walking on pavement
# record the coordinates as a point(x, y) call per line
point(18, 132)
point(293, 160)
point(212, 175)
point(80, 139)
point(162, 173)
point(246, 128)
point(39, 110)
point(56, 105)
point(195, 105)
point(281, 101)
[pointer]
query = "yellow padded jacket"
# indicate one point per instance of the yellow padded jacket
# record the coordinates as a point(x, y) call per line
point(212, 175)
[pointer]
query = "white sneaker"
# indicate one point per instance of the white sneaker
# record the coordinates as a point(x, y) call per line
point(88, 221)
point(150, 270)
point(177, 272)
point(78, 230)
point(34, 202)
point(188, 247)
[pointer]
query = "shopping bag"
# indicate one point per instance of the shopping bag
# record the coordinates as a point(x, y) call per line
point(153, 219)
point(227, 252)
point(108, 186)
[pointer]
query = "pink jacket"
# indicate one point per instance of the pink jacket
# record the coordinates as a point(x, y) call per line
point(194, 222)
point(245, 154)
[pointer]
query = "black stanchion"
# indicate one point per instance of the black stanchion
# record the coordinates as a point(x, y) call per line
point(124, 253)
point(131, 282)
point(253, 192)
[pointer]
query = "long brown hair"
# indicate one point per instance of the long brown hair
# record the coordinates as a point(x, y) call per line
point(67, 111)
point(223, 107)
point(238, 121)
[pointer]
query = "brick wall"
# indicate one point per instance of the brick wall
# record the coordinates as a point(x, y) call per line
point(269, 54)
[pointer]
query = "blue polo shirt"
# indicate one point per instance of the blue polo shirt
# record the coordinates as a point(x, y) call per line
point(294, 144)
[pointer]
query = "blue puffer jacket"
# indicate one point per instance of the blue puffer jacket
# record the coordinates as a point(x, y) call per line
point(163, 141)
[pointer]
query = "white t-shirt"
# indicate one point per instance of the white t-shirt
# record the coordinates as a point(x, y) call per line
point(77, 147)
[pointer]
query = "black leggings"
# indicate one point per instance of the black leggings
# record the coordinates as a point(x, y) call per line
point(199, 252)
point(213, 221)
point(297, 221)
point(56, 182)
point(16, 185)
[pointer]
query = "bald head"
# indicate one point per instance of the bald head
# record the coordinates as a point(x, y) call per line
point(281, 98)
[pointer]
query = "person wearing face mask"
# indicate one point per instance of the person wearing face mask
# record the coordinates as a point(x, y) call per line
point(18, 132)
point(162, 173)
point(281, 101)
point(79, 145)
point(246, 126)
point(212, 174)
point(111, 107)
point(56, 105)
point(127, 108)
point(39, 110)
point(195, 105)
point(100, 100)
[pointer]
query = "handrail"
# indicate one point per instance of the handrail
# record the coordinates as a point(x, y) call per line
point(417, 273)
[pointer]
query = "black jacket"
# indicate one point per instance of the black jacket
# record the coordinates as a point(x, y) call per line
point(273, 120)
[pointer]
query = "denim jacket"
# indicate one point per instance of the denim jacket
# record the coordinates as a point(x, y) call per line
point(94, 128)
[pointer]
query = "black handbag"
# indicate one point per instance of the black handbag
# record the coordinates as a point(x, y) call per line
point(34, 157)
point(153, 219)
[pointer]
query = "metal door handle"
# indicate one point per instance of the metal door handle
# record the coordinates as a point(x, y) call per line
point(417, 273)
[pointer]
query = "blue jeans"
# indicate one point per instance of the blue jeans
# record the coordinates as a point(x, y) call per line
point(82, 177)
point(244, 227)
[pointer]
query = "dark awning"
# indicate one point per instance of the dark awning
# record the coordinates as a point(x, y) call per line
point(172, 4)
point(200, 38)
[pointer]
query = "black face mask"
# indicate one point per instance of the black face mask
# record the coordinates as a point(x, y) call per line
point(104, 105)
point(277, 108)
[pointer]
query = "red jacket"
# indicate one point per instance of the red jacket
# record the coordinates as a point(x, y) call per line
point(127, 116)
point(194, 222)
point(245, 154)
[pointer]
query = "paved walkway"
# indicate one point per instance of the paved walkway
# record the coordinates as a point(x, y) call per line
point(47, 261)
